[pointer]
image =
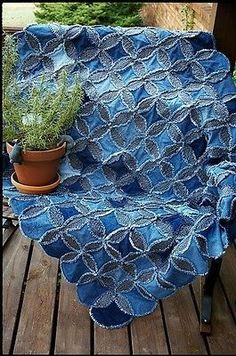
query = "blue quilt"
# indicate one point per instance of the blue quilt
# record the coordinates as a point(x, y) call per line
point(148, 191)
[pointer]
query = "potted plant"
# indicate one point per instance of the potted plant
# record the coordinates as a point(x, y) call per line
point(36, 114)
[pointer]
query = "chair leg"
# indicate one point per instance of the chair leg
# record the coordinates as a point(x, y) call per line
point(207, 296)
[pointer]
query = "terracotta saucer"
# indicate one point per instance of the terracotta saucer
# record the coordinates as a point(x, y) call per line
point(32, 189)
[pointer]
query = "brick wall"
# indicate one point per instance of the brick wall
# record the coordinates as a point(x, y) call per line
point(168, 15)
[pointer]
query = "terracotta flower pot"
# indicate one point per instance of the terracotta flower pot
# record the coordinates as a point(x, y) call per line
point(38, 168)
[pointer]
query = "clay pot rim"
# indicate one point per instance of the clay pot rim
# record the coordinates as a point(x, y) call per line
point(34, 189)
point(44, 155)
point(36, 151)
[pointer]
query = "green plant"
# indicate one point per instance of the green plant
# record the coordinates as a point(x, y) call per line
point(188, 15)
point(104, 13)
point(39, 111)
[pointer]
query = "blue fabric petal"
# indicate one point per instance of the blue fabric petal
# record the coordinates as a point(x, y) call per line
point(111, 317)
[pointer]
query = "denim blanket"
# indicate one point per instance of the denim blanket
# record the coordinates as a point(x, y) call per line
point(148, 191)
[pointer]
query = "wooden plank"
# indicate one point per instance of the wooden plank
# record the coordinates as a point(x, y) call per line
point(8, 29)
point(222, 341)
point(73, 327)
point(142, 329)
point(8, 232)
point(9, 218)
point(182, 324)
point(15, 257)
point(7, 213)
point(111, 342)
point(34, 331)
point(228, 277)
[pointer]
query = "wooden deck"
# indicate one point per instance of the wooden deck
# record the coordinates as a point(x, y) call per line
point(42, 316)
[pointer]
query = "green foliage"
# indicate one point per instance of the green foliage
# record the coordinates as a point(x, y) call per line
point(39, 112)
point(188, 15)
point(104, 13)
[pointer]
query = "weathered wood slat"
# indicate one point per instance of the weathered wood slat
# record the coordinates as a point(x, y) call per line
point(34, 331)
point(111, 342)
point(8, 218)
point(4, 201)
point(7, 213)
point(8, 232)
point(148, 335)
point(15, 257)
point(222, 341)
point(9, 30)
point(182, 324)
point(73, 326)
point(228, 277)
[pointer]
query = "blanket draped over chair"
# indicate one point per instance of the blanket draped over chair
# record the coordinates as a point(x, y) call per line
point(148, 191)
